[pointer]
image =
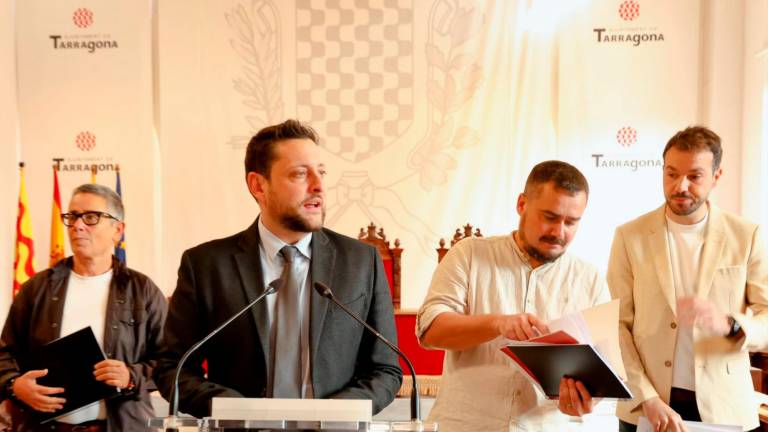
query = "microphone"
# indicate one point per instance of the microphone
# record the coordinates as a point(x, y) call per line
point(324, 291)
point(173, 406)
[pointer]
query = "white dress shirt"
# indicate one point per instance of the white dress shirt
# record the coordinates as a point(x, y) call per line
point(482, 389)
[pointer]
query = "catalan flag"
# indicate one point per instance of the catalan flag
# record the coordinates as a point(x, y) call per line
point(24, 255)
point(120, 248)
point(94, 170)
point(57, 227)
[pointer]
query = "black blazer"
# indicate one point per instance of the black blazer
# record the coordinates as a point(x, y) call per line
point(219, 277)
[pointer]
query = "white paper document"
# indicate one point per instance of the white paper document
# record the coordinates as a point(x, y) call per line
point(644, 426)
point(584, 345)
point(597, 326)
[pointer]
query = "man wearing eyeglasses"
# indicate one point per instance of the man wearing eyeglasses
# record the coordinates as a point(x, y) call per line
point(123, 307)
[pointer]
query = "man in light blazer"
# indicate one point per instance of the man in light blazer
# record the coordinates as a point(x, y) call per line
point(686, 273)
point(332, 355)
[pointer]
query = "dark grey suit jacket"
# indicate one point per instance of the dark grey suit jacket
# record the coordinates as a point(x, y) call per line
point(218, 278)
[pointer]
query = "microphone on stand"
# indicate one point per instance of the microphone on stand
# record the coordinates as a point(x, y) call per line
point(326, 292)
point(173, 406)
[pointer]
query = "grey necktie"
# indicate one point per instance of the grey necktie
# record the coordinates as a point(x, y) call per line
point(287, 351)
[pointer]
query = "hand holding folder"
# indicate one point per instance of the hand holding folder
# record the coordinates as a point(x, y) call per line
point(69, 362)
point(40, 397)
point(549, 358)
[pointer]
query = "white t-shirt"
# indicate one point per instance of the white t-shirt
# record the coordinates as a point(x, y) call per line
point(685, 245)
point(86, 305)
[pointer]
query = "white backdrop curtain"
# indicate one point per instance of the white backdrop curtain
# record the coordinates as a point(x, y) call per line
point(81, 73)
point(8, 153)
point(431, 112)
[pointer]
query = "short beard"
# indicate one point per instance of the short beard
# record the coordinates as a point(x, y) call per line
point(296, 223)
point(686, 211)
point(537, 254)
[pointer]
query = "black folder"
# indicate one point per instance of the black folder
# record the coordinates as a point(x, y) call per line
point(546, 364)
point(70, 362)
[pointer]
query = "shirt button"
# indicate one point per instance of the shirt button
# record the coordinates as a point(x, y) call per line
point(54, 325)
point(121, 301)
point(55, 298)
point(114, 327)
point(673, 325)
point(109, 354)
point(668, 363)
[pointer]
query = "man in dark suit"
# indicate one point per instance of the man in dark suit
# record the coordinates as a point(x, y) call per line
point(327, 354)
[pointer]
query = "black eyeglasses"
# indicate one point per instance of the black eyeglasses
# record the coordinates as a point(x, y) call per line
point(89, 217)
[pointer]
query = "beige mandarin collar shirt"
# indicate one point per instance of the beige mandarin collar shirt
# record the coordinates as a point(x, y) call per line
point(481, 389)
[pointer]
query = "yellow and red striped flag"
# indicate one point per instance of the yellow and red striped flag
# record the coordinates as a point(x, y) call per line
point(94, 170)
point(57, 227)
point(24, 255)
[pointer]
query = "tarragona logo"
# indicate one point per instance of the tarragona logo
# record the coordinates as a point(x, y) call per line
point(85, 141)
point(629, 10)
point(626, 136)
point(82, 17)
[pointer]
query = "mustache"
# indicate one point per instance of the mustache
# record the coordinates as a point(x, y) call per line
point(552, 240)
point(313, 197)
point(681, 195)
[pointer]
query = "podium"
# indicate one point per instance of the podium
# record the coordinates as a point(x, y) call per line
point(209, 424)
point(287, 415)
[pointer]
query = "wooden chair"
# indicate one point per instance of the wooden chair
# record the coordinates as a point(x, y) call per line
point(759, 361)
point(457, 236)
point(428, 364)
point(390, 257)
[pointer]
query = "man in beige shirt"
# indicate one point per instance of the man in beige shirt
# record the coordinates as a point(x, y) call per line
point(510, 286)
point(686, 273)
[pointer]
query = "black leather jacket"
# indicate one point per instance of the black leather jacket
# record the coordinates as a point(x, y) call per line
point(135, 315)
